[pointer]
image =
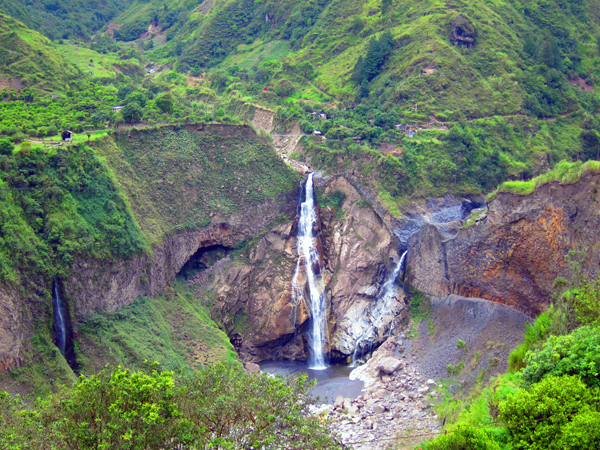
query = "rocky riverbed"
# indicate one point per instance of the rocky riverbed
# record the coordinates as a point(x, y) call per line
point(395, 404)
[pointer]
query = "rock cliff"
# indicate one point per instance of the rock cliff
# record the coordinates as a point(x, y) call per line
point(252, 297)
point(514, 255)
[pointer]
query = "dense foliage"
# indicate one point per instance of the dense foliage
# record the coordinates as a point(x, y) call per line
point(64, 18)
point(58, 204)
point(220, 407)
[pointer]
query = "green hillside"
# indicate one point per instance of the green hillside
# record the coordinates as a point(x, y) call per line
point(30, 60)
point(63, 19)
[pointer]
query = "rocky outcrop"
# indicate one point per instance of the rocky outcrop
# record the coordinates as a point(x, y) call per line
point(363, 252)
point(516, 253)
point(97, 286)
point(12, 330)
point(252, 298)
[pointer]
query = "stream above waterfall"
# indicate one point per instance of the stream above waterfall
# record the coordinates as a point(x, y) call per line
point(331, 382)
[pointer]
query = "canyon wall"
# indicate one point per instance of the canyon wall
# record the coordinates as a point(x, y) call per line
point(514, 255)
point(253, 298)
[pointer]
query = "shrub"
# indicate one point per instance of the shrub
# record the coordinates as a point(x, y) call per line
point(550, 416)
point(577, 353)
point(463, 438)
point(219, 407)
point(6, 147)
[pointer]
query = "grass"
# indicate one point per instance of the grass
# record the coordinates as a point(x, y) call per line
point(32, 58)
point(254, 54)
point(80, 57)
point(472, 219)
point(173, 329)
point(565, 173)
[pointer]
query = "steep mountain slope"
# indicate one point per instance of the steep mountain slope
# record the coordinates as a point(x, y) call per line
point(64, 18)
point(30, 60)
point(453, 58)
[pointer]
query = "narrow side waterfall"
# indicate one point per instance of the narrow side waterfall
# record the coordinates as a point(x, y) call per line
point(388, 286)
point(60, 326)
point(310, 264)
point(378, 311)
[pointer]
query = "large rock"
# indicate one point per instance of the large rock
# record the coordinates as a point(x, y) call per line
point(516, 253)
point(389, 365)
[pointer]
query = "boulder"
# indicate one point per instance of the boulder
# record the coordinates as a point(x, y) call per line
point(252, 367)
point(389, 365)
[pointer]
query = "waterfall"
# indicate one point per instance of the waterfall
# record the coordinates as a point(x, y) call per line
point(59, 322)
point(388, 287)
point(309, 255)
point(380, 308)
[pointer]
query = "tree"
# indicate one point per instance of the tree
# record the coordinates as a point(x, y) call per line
point(220, 407)
point(306, 69)
point(164, 102)
point(132, 112)
point(385, 6)
point(6, 147)
point(551, 53)
point(357, 25)
point(530, 47)
point(284, 88)
point(138, 97)
point(577, 353)
point(550, 413)
point(238, 410)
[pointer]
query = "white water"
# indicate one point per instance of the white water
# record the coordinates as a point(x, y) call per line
point(58, 318)
point(382, 307)
point(308, 258)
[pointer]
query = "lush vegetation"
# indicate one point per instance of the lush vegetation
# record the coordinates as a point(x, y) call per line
point(63, 19)
point(564, 172)
point(151, 328)
point(58, 204)
point(219, 407)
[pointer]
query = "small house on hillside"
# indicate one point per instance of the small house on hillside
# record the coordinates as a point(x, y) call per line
point(117, 108)
point(67, 135)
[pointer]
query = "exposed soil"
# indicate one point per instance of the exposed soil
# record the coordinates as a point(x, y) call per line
point(582, 84)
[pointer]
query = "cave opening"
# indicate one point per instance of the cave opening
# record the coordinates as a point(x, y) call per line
point(204, 258)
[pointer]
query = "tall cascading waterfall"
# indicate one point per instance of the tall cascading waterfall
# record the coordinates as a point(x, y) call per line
point(380, 308)
point(308, 258)
point(60, 326)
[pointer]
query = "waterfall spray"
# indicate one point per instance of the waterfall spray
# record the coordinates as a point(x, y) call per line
point(59, 321)
point(309, 255)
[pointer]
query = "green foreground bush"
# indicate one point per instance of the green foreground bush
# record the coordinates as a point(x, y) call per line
point(221, 407)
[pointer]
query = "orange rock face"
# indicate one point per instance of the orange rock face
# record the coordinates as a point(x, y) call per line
point(515, 254)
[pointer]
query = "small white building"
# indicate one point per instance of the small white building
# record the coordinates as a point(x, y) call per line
point(117, 108)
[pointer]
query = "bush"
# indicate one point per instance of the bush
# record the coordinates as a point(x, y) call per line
point(6, 147)
point(220, 407)
point(463, 438)
point(577, 353)
point(551, 415)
